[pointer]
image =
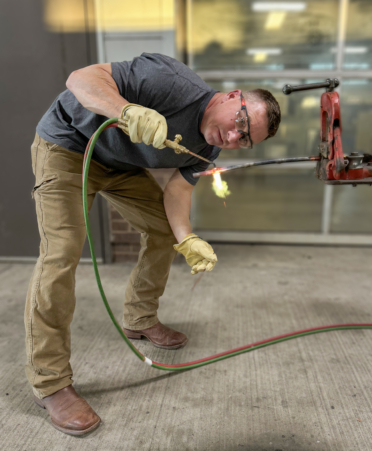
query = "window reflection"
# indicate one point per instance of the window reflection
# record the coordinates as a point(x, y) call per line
point(358, 54)
point(263, 35)
point(270, 199)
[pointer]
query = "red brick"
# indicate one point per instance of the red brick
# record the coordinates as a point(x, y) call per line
point(119, 226)
point(115, 214)
point(122, 248)
point(135, 248)
point(125, 237)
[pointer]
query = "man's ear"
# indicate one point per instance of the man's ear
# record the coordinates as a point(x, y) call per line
point(234, 94)
point(231, 95)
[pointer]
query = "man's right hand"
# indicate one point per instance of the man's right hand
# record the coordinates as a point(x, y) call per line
point(143, 125)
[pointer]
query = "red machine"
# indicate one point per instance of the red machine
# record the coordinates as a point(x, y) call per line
point(334, 167)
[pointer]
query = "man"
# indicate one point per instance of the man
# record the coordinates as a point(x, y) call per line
point(155, 97)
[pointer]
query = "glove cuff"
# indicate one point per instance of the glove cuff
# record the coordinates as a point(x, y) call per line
point(126, 107)
point(179, 246)
point(188, 237)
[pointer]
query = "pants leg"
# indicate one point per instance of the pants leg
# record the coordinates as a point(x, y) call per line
point(139, 199)
point(50, 300)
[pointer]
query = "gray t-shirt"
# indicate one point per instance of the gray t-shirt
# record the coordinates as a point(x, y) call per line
point(153, 81)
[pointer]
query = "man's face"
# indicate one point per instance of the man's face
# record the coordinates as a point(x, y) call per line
point(219, 124)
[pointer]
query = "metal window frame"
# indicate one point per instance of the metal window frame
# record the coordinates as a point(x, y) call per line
point(324, 237)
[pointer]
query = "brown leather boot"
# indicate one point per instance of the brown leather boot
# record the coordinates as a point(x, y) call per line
point(69, 412)
point(160, 336)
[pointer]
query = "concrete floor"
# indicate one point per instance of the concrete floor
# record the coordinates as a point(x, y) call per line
point(311, 393)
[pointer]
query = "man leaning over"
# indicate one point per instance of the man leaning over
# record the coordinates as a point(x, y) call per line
point(155, 97)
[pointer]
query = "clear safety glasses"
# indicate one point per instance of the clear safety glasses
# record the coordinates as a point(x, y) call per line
point(242, 125)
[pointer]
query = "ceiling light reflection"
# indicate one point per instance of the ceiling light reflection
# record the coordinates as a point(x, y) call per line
point(268, 51)
point(355, 50)
point(275, 20)
point(260, 57)
point(310, 102)
point(278, 6)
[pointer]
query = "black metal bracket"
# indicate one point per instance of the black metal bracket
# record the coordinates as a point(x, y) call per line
point(330, 84)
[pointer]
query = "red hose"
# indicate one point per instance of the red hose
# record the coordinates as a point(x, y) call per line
point(258, 343)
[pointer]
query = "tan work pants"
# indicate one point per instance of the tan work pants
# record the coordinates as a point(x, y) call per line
point(51, 295)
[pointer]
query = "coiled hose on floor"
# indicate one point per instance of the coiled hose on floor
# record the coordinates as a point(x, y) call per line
point(195, 363)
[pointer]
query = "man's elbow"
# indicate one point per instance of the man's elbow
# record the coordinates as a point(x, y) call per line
point(70, 83)
point(74, 79)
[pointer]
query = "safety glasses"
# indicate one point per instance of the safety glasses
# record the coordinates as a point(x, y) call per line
point(242, 125)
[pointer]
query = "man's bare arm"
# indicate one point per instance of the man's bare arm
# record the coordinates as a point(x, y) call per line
point(177, 203)
point(96, 90)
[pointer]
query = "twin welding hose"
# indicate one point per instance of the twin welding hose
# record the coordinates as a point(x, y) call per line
point(195, 363)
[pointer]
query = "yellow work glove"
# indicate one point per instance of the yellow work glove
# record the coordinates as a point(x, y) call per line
point(143, 125)
point(198, 253)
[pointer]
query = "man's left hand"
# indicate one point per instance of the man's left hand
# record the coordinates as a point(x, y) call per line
point(198, 253)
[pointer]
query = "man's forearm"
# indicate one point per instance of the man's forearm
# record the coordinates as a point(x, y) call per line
point(178, 212)
point(96, 90)
point(177, 204)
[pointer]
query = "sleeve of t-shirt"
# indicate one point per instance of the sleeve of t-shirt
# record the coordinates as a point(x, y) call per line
point(188, 171)
point(158, 82)
point(120, 74)
point(148, 80)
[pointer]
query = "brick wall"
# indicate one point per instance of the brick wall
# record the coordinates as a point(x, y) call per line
point(124, 239)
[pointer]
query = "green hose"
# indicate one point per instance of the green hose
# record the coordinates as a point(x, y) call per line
point(90, 238)
point(197, 363)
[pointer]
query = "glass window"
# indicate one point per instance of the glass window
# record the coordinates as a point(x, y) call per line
point(358, 45)
point(356, 115)
point(268, 199)
point(351, 209)
point(253, 34)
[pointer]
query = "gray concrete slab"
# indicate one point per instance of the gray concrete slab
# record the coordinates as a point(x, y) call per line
point(312, 393)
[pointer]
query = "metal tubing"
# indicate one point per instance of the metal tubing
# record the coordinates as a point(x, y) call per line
point(256, 163)
point(330, 84)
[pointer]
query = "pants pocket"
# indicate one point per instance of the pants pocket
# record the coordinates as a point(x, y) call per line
point(43, 183)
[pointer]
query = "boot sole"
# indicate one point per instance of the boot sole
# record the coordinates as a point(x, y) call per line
point(67, 431)
point(136, 336)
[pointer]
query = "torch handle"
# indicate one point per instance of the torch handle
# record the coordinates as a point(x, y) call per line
point(181, 149)
point(175, 145)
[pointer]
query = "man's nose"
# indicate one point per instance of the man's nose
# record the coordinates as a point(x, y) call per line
point(233, 136)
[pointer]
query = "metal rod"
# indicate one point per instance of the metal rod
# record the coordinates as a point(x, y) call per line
point(256, 163)
point(330, 84)
point(202, 158)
